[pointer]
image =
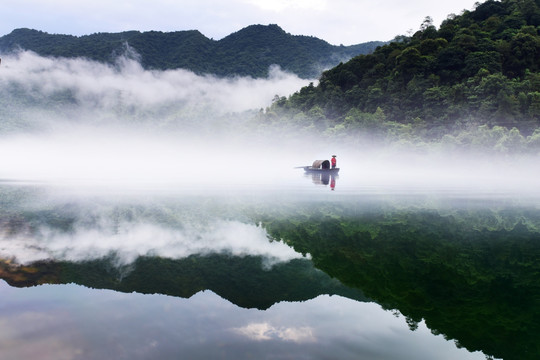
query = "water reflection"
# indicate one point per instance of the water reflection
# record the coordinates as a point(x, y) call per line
point(68, 322)
point(323, 178)
point(465, 270)
point(471, 274)
point(243, 280)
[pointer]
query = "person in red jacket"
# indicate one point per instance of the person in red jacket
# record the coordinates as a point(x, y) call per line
point(333, 161)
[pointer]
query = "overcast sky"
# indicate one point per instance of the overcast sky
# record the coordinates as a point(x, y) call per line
point(336, 21)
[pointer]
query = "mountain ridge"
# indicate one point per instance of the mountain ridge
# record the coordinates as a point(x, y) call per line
point(247, 52)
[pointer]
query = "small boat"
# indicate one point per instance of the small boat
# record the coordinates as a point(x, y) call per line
point(320, 166)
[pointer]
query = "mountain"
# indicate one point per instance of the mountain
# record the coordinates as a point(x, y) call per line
point(479, 68)
point(248, 52)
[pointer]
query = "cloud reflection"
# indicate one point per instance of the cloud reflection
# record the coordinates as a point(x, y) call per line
point(265, 331)
point(205, 327)
point(127, 241)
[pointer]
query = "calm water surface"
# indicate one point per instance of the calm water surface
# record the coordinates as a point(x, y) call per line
point(313, 268)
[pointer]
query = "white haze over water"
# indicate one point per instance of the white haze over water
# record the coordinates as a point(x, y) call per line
point(129, 127)
point(94, 157)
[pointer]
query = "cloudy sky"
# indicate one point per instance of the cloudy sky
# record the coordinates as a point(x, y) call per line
point(336, 21)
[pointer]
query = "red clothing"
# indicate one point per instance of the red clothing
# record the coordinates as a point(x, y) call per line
point(333, 162)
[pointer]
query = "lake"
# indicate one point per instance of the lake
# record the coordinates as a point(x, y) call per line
point(302, 268)
point(158, 215)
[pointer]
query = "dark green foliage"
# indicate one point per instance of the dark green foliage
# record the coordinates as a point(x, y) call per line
point(472, 275)
point(480, 68)
point(99, 47)
point(248, 52)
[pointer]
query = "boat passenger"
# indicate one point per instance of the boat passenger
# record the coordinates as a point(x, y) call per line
point(334, 161)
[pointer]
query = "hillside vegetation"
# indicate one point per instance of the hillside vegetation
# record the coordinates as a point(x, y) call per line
point(479, 70)
point(248, 52)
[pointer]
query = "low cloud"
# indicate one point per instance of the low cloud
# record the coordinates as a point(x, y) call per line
point(125, 89)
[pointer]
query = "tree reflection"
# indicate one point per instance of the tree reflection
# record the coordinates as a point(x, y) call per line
point(472, 276)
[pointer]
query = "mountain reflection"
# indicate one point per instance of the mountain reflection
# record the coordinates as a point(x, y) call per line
point(241, 280)
point(469, 272)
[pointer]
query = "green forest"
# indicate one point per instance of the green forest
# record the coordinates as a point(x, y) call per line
point(474, 81)
point(247, 52)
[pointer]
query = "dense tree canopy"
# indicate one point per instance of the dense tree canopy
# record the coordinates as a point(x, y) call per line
point(479, 68)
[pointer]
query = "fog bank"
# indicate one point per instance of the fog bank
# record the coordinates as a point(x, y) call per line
point(82, 91)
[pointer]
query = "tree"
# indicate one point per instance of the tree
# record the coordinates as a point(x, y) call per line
point(410, 63)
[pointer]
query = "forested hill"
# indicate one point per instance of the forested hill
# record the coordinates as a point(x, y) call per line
point(248, 52)
point(481, 67)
